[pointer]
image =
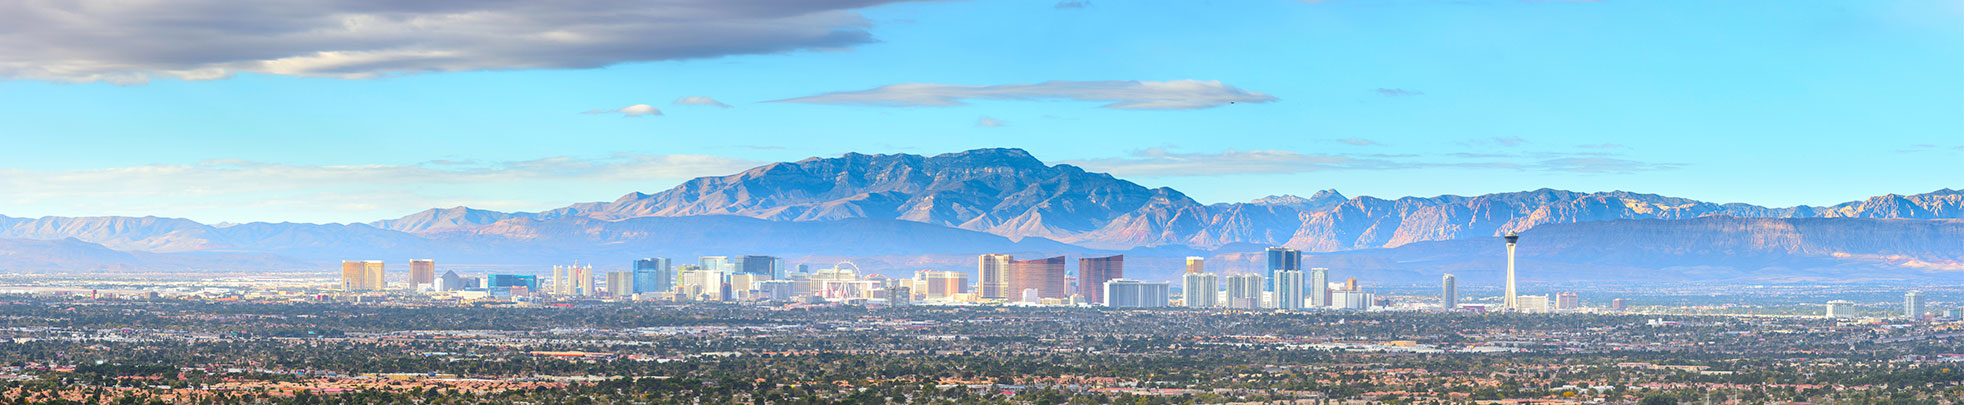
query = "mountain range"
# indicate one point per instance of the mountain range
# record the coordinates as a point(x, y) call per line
point(991, 200)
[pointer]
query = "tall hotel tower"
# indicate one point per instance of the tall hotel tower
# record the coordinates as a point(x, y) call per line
point(994, 273)
point(422, 272)
point(1093, 272)
point(1319, 287)
point(1449, 298)
point(1512, 296)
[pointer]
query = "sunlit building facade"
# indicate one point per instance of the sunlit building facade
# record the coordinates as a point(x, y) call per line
point(993, 271)
point(1093, 272)
point(422, 272)
point(1044, 276)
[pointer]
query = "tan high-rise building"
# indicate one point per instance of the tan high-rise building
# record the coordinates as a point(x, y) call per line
point(994, 273)
point(372, 271)
point(583, 280)
point(351, 275)
point(939, 285)
point(1350, 284)
point(1045, 276)
point(574, 280)
point(362, 275)
point(1567, 301)
point(620, 284)
point(422, 272)
point(1196, 265)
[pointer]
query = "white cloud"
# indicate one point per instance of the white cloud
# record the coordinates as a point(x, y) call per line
point(1599, 165)
point(1131, 95)
point(1160, 162)
point(632, 111)
point(989, 122)
point(135, 41)
point(1388, 92)
point(700, 100)
point(1157, 162)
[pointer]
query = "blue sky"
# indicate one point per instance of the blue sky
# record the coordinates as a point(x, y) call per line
point(245, 116)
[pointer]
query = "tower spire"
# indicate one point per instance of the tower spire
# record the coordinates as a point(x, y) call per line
point(1512, 296)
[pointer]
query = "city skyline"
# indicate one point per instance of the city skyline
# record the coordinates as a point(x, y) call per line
point(991, 202)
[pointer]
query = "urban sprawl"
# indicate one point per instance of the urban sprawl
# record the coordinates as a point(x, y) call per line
point(751, 329)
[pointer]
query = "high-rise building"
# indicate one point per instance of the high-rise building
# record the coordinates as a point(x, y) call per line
point(363, 275)
point(1512, 298)
point(1093, 272)
point(778, 290)
point(994, 273)
point(1532, 303)
point(742, 283)
point(1196, 265)
point(422, 272)
point(940, 285)
point(1351, 285)
point(1200, 290)
point(562, 283)
point(653, 275)
point(1841, 309)
point(373, 275)
point(1289, 289)
point(351, 276)
point(899, 296)
point(1045, 276)
point(765, 265)
point(1244, 291)
point(704, 284)
point(1913, 305)
point(1319, 287)
point(1351, 299)
point(1281, 258)
point(574, 280)
point(512, 283)
point(1449, 296)
point(1129, 293)
point(1567, 301)
point(1616, 305)
point(620, 284)
point(717, 263)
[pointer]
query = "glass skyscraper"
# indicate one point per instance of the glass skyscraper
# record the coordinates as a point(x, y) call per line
point(1281, 258)
point(653, 275)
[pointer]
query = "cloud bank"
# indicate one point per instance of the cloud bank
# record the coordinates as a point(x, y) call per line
point(1120, 94)
point(700, 100)
point(136, 41)
point(1162, 163)
point(1158, 162)
point(637, 110)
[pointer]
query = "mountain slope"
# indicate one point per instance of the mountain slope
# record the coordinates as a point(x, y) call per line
point(1007, 192)
point(959, 203)
point(70, 254)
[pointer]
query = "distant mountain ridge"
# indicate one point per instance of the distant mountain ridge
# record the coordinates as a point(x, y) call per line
point(984, 200)
point(1010, 193)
